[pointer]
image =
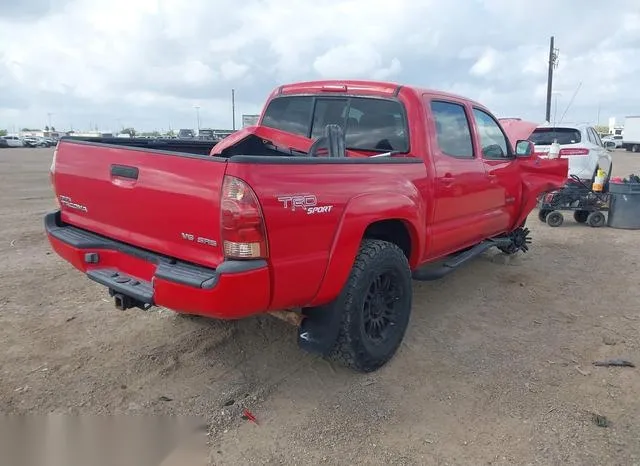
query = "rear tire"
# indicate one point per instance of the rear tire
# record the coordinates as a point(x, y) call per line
point(376, 305)
point(596, 219)
point(555, 219)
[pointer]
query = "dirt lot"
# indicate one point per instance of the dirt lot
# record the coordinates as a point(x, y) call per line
point(496, 367)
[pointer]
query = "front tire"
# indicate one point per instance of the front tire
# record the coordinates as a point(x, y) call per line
point(376, 305)
point(542, 215)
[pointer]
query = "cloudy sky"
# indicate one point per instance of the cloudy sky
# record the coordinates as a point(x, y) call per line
point(147, 63)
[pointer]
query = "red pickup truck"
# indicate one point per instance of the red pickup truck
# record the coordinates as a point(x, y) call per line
point(343, 192)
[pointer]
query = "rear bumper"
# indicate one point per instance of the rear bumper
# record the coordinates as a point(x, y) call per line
point(235, 289)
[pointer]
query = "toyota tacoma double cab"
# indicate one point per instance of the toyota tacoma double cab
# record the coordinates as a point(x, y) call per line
point(342, 194)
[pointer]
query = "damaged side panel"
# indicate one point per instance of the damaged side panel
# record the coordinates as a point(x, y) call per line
point(539, 176)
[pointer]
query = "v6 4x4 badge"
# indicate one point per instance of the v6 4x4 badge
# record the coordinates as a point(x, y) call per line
point(306, 202)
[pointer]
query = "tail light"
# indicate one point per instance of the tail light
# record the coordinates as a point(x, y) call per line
point(52, 171)
point(242, 223)
point(570, 152)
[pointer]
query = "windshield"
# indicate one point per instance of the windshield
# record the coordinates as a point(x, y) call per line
point(546, 136)
point(370, 124)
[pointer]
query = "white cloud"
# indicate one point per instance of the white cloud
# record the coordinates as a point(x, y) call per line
point(231, 70)
point(486, 63)
point(356, 60)
point(149, 60)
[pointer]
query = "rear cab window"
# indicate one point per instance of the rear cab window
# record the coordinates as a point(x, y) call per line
point(369, 123)
point(290, 114)
point(564, 136)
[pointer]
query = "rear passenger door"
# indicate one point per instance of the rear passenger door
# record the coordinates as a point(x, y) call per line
point(460, 181)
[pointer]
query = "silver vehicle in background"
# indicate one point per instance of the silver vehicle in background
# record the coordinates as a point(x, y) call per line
point(13, 141)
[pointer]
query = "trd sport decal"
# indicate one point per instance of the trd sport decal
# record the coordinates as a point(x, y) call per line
point(306, 202)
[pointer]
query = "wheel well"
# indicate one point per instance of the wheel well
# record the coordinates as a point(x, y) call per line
point(394, 231)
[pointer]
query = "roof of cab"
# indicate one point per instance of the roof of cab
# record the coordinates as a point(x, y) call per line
point(363, 87)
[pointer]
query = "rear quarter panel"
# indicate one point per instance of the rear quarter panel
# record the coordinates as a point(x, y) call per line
point(347, 198)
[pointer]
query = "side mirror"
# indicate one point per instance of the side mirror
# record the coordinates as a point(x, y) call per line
point(524, 148)
point(610, 145)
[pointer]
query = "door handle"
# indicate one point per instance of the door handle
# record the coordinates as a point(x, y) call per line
point(124, 171)
point(448, 179)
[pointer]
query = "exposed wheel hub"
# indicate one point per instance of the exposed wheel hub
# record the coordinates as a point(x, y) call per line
point(519, 241)
point(379, 306)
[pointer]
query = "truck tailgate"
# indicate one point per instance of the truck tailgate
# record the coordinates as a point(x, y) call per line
point(168, 203)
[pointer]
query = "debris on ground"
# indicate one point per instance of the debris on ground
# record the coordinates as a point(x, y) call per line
point(585, 373)
point(248, 416)
point(614, 363)
point(599, 420)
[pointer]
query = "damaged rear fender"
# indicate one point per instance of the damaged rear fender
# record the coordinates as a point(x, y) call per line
point(539, 176)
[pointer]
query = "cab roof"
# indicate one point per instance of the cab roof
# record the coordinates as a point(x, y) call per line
point(361, 87)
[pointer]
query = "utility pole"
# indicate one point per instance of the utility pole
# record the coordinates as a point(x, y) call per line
point(197, 107)
point(233, 108)
point(49, 119)
point(553, 63)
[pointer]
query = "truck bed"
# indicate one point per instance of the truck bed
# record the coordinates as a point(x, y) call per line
point(157, 200)
point(187, 146)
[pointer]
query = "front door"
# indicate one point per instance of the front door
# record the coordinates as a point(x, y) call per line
point(460, 181)
point(504, 190)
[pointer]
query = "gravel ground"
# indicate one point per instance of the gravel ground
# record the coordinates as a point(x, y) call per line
point(496, 367)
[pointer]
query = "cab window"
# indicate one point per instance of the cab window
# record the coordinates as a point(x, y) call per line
point(453, 133)
point(493, 142)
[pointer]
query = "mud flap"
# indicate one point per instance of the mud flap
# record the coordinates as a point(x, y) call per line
point(319, 328)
